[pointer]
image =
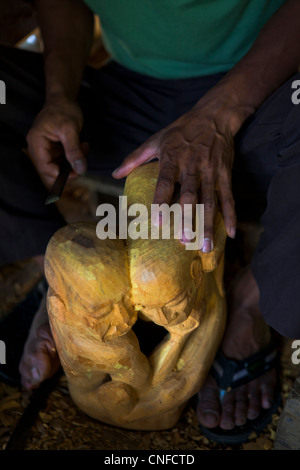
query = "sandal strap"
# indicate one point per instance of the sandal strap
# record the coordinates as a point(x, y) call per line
point(230, 374)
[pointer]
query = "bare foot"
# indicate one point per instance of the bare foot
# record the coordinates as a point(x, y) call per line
point(39, 360)
point(245, 334)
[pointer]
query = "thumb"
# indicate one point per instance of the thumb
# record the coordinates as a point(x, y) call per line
point(144, 153)
point(74, 151)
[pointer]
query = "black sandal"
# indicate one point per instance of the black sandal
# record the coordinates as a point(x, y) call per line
point(230, 374)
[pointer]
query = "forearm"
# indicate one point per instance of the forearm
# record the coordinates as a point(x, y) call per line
point(67, 31)
point(273, 58)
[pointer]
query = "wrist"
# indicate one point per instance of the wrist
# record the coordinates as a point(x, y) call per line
point(225, 106)
point(59, 90)
point(242, 91)
point(57, 97)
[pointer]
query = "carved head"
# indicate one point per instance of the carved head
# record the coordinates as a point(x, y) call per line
point(97, 289)
point(90, 278)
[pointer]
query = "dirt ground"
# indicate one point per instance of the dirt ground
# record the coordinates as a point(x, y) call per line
point(62, 426)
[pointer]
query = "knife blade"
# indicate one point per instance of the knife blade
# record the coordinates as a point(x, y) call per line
point(38, 401)
point(59, 184)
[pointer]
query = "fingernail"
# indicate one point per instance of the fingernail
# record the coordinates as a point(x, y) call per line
point(207, 245)
point(187, 236)
point(232, 232)
point(79, 166)
point(35, 374)
point(116, 171)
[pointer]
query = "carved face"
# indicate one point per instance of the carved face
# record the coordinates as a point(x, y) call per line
point(98, 287)
point(174, 312)
point(91, 280)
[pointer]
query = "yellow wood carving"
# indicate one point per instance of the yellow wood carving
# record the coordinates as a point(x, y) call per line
point(97, 291)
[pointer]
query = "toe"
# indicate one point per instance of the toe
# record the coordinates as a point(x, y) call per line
point(208, 410)
point(36, 367)
point(241, 405)
point(40, 359)
point(31, 376)
point(227, 421)
point(267, 388)
point(254, 399)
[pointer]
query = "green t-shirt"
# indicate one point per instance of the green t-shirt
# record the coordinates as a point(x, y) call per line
point(181, 38)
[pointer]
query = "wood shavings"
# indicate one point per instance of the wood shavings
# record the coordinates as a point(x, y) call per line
point(62, 426)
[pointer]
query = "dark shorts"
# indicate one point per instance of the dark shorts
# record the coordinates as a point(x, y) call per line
point(121, 110)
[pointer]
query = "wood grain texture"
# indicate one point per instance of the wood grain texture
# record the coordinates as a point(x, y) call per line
point(98, 289)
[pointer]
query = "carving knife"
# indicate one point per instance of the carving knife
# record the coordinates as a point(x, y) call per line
point(59, 183)
point(38, 401)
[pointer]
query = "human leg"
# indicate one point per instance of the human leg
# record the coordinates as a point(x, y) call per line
point(266, 172)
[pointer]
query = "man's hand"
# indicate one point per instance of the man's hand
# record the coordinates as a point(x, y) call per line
point(55, 132)
point(67, 29)
point(196, 151)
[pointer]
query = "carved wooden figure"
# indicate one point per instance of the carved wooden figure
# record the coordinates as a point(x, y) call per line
point(97, 291)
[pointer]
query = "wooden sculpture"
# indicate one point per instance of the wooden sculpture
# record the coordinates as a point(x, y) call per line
point(97, 291)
